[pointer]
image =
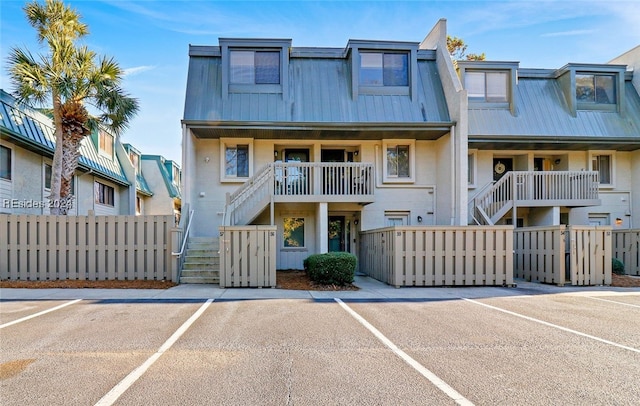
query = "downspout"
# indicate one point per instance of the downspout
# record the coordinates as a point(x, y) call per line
point(454, 172)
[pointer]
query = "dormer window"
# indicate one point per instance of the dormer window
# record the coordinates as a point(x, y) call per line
point(254, 67)
point(595, 88)
point(488, 87)
point(384, 69)
point(105, 144)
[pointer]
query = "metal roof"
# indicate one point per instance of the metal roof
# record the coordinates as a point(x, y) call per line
point(319, 83)
point(544, 120)
point(35, 130)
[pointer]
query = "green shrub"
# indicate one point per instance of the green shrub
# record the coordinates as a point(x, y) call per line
point(333, 268)
point(617, 266)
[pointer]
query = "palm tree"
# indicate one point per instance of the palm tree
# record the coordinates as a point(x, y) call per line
point(69, 78)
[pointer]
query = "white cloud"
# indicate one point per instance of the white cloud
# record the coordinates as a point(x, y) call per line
point(137, 70)
point(568, 33)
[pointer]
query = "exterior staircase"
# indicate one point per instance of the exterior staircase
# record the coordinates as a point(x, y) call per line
point(202, 261)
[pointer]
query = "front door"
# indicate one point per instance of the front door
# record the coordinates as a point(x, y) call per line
point(339, 234)
point(501, 166)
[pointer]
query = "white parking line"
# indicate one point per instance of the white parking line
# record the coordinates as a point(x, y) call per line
point(613, 301)
point(546, 323)
point(11, 323)
point(130, 379)
point(439, 383)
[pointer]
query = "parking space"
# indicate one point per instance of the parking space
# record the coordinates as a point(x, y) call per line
point(511, 347)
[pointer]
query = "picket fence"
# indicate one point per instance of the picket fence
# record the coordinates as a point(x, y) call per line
point(40, 247)
point(438, 256)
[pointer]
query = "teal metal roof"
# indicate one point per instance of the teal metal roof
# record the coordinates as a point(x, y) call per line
point(543, 119)
point(35, 131)
point(172, 188)
point(319, 93)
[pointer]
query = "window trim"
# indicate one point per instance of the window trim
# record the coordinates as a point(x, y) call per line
point(472, 168)
point(96, 197)
point(44, 179)
point(305, 246)
point(231, 142)
point(275, 45)
point(101, 150)
point(356, 47)
point(11, 164)
point(404, 215)
point(612, 167)
point(586, 105)
point(386, 178)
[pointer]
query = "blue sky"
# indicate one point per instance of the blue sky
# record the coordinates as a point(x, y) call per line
point(150, 39)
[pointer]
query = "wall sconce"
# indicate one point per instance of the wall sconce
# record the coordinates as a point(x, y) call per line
point(419, 219)
point(207, 159)
point(557, 161)
point(356, 221)
point(275, 154)
point(356, 152)
point(618, 221)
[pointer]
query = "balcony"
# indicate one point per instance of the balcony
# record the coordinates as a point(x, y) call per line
point(300, 182)
point(535, 189)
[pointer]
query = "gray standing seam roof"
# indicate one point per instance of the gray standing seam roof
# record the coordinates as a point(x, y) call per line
point(319, 92)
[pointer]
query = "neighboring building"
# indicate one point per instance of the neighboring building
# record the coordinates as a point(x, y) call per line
point(27, 143)
point(323, 142)
point(556, 146)
point(163, 177)
point(143, 192)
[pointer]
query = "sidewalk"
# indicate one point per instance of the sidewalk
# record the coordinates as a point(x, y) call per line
point(370, 290)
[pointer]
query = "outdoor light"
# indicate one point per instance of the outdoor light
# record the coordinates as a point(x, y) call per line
point(356, 153)
point(419, 219)
point(618, 221)
point(275, 154)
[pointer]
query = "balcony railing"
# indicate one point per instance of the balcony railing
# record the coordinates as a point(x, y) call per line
point(535, 189)
point(300, 182)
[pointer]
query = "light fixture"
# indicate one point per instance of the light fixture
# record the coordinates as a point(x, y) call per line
point(618, 221)
point(275, 154)
point(356, 152)
point(557, 161)
point(207, 159)
point(419, 219)
point(356, 221)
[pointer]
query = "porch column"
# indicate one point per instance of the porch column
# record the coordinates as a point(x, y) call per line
point(322, 228)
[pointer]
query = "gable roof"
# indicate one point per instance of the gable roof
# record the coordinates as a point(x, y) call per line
point(34, 130)
point(142, 186)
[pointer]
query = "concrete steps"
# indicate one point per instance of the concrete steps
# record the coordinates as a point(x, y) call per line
point(202, 261)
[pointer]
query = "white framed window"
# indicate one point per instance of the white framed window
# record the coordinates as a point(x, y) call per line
point(487, 86)
point(471, 168)
point(384, 68)
point(594, 89)
point(603, 162)
point(135, 160)
point(6, 162)
point(396, 218)
point(398, 161)
point(599, 219)
point(254, 67)
point(104, 194)
point(236, 159)
point(293, 231)
point(105, 144)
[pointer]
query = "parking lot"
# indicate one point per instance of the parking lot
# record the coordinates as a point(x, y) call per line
point(530, 345)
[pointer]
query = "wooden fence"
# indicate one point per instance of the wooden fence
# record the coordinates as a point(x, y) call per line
point(626, 248)
point(39, 247)
point(438, 256)
point(248, 256)
point(579, 255)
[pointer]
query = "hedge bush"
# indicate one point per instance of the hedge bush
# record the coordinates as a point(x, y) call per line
point(617, 266)
point(333, 268)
